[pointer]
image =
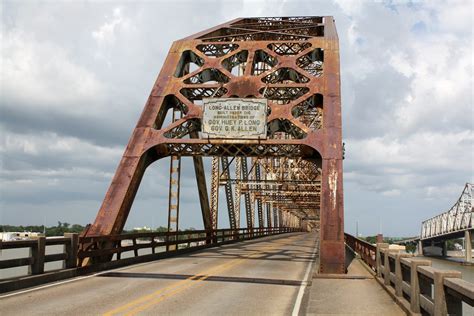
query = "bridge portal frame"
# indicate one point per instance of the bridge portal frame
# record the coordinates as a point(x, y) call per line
point(230, 43)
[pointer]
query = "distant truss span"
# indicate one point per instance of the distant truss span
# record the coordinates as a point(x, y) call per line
point(459, 218)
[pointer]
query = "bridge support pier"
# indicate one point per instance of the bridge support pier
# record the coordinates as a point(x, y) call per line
point(468, 245)
point(444, 247)
point(420, 247)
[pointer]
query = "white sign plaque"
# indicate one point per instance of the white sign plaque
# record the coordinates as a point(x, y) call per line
point(235, 118)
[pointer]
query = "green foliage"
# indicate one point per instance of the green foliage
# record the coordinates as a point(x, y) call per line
point(450, 243)
point(410, 248)
point(161, 229)
point(370, 239)
point(58, 230)
point(65, 227)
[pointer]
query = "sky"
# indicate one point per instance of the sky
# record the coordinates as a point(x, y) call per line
point(75, 76)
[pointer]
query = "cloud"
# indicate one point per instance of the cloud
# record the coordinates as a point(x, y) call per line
point(106, 32)
point(409, 107)
point(75, 77)
point(42, 73)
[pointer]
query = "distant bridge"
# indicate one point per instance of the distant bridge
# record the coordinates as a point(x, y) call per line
point(457, 222)
point(453, 223)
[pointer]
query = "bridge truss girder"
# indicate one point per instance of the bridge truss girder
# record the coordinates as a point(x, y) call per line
point(459, 218)
point(291, 62)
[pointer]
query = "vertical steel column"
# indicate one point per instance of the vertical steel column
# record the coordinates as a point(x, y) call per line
point(202, 191)
point(238, 186)
point(248, 205)
point(228, 190)
point(259, 201)
point(174, 188)
point(214, 206)
point(269, 214)
point(202, 188)
point(276, 222)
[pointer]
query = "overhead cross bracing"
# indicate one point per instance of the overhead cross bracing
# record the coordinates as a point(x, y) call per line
point(286, 184)
point(290, 174)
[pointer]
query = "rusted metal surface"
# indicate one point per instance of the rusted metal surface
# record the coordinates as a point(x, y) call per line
point(366, 250)
point(293, 64)
point(174, 187)
point(119, 244)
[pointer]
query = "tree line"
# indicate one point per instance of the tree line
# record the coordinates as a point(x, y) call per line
point(65, 227)
point(57, 230)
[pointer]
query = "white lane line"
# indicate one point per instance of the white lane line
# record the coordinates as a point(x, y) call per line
point(74, 279)
point(90, 276)
point(304, 284)
point(51, 285)
point(93, 275)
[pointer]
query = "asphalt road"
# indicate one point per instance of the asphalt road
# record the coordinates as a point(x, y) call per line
point(259, 277)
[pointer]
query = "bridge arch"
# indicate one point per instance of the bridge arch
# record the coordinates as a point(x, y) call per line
point(293, 64)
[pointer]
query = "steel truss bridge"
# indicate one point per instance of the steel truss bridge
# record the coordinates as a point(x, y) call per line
point(458, 219)
point(287, 182)
point(289, 178)
point(457, 222)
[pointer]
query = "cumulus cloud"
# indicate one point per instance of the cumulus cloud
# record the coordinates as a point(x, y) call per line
point(75, 77)
point(42, 73)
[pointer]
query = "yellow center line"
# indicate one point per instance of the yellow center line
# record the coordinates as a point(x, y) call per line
point(150, 303)
point(184, 284)
point(154, 294)
point(195, 283)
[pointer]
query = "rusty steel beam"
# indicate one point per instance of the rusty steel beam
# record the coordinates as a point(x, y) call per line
point(228, 191)
point(202, 188)
point(293, 62)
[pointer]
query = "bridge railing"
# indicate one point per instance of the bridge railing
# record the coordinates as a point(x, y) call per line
point(122, 249)
point(366, 250)
point(100, 248)
point(38, 256)
point(418, 286)
point(427, 290)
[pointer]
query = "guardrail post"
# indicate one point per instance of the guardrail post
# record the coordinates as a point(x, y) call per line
point(386, 266)
point(440, 303)
point(398, 273)
point(415, 283)
point(378, 258)
point(135, 250)
point(38, 252)
point(71, 250)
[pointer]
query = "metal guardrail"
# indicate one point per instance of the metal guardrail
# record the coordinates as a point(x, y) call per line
point(366, 250)
point(99, 249)
point(38, 257)
point(426, 290)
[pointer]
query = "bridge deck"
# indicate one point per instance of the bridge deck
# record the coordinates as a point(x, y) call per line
point(264, 277)
point(359, 294)
point(253, 277)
